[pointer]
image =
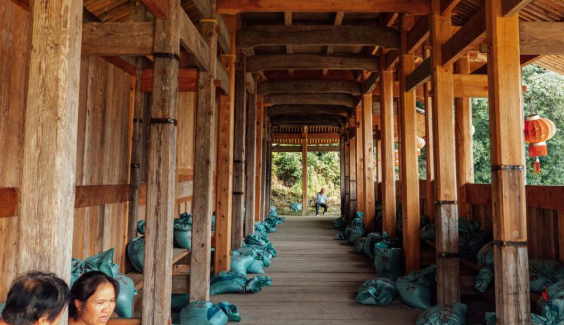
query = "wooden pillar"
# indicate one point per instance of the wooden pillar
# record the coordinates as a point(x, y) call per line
point(368, 171)
point(342, 171)
point(259, 155)
point(224, 197)
point(161, 177)
point(511, 263)
point(463, 138)
point(360, 162)
point(46, 194)
point(265, 199)
point(378, 181)
point(268, 177)
point(446, 212)
point(304, 172)
point(409, 166)
point(203, 168)
point(251, 174)
point(239, 157)
point(347, 158)
point(353, 163)
point(388, 145)
point(429, 144)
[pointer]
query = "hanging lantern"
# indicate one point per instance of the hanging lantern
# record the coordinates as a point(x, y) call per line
point(396, 157)
point(420, 144)
point(538, 130)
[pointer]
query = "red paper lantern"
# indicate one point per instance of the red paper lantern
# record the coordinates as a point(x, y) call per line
point(396, 157)
point(538, 130)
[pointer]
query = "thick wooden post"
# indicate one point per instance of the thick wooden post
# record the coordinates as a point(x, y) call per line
point(304, 172)
point(265, 190)
point(347, 157)
point(251, 174)
point(161, 177)
point(224, 197)
point(368, 172)
point(46, 194)
point(342, 171)
point(268, 177)
point(388, 157)
point(409, 167)
point(511, 263)
point(430, 182)
point(259, 126)
point(359, 135)
point(378, 163)
point(203, 168)
point(239, 157)
point(446, 212)
point(463, 138)
point(353, 163)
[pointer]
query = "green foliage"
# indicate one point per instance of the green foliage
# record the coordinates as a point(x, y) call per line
point(545, 96)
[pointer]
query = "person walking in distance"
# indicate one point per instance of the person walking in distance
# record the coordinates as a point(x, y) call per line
point(321, 200)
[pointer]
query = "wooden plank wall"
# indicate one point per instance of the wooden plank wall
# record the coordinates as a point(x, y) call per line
point(14, 37)
point(185, 150)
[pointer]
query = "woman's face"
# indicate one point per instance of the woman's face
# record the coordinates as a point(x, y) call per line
point(98, 309)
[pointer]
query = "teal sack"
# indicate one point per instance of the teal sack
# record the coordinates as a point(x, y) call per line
point(2, 306)
point(552, 293)
point(273, 212)
point(379, 292)
point(428, 232)
point(230, 310)
point(179, 301)
point(357, 228)
point(552, 314)
point(373, 238)
point(183, 232)
point(141, 227)
point(260, 228)
point(339, 223)
point(491, 319)
point(77, 269)
point(103, 262)
point(270, 228)
point(543, 273)
point(359, 245)
point(136, 253)
point(416, 289)
point(124, 301)
point(449, 314)
point(257, 283)
point(257, 267)
point(230, 282)
point(213, 222)
point(202, 313)
point(470, 237)
point(484, 279)
point(388, 261)
point(296, 207)
point(344, 235)
point(240, 263)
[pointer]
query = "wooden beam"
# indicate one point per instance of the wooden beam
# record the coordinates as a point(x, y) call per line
point(204, 7)
point(429, 146)
point(225, 139)
point(346, 208)
point(368, 172)
point(446, 213)
point(233, 7)
point(296, 120)
point(392, 58)
point(251, 164)
point(307, 110)
point(419, 75)
point(309, 86)
point(203, 168)
point(512, 7)
point(342, 172)
point(159, 8)
point(49, 143)
point(305, 204)
point(353, 170)
point(8, 202)
point(507, 144)
point(311, 136)
point(463, 141)
point(337, 22)
point(22, 3)
point(370, 83)
point(387, 135)
point(193, 42)
point(309, 148)
point(112, 39)
point(250, 83)
point(257, 175)
point(466, 38)
point(318, 35)
point(448, 5)
point(541, 38)
point(239, 132)
point(224, 35)
point(310, 99)
point(418, 34)
point(262, 62)
point(95, 195)
point(264, 147)
point(187, 79)
point(222, 79)
point(161, 172)
point(409, 170)
point(360, 189)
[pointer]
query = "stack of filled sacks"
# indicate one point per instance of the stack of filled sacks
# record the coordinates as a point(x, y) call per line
point(544, 273)
point(449, 314)
point(296, 207)
point(233, 282)
point(486, 262)
point(272, 221)
point(340, 223)
point(416, 289)
point(552, 313)
point(354, 231)
point(206, 313)
point(388, 261)
point(470, 237)
point(104, 262)
point(379, 292)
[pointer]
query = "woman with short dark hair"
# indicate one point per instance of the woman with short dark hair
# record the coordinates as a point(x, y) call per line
point(36, 298)
point(93, 299)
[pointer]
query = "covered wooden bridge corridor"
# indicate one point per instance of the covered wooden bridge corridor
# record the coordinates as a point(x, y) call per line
point(117, 111)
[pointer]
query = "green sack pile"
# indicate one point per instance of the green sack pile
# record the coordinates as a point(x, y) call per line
point(552, 293)
point(104, 262)
point(470, 237)
point(552, 314)
point(273, 220)
point(544, 273)
point(388, 261)
point(183, 231)
point(231, 282)
point(449, 314)
point(357, 228)
point(416, 288)
point(296, 207)
point(428, 232)
point(260, 243)
point(136, 253)
point(486, 262)
point(379, 292)
point(373, 238)
point(206, 313)
point(344, 235)
point(340, 223)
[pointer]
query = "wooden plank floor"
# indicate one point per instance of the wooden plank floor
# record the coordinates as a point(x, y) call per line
point(315, 281)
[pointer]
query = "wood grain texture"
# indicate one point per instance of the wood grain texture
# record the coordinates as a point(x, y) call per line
point(193, 42)
point(309, 86)
point(466, 38)
point(262, 62)
point(239, 131)
point(360, 195)
point(541, 38)
point(368, 172)
point(259, 157)
point(419, 75)
point(353, 171)
point(252, 177)
point(159, 8)
point(304, 172)
point(388, 166)
point(8, 202)
point(417, 35)
point(429, 155)
point(309, 148)
point(308, 110)
point(112, 39)
point(310, 99)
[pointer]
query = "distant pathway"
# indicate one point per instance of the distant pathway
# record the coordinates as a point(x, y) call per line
point(316, 279)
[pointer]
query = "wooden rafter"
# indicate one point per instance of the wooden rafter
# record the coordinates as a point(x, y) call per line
point(339, 16)
point(311, 136)
point(309, 86)
point(159, 8)
point(420, 75)
point(128, 38)
point(193, 42)
point(308, 110)
point(310, 99)
point(299, 148)
point(466, 38)
point(418, 34)
point(541, 38)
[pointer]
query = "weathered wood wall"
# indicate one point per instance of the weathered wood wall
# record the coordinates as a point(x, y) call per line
point(185, 150)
